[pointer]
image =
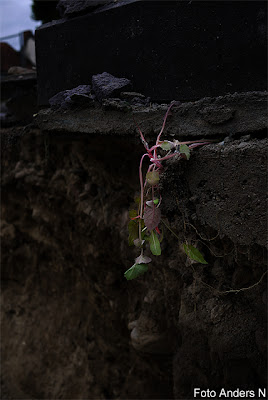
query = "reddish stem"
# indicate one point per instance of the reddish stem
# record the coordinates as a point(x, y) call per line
point(198, 144)
point(163, 158)
point(141, 182)
point(163, 126)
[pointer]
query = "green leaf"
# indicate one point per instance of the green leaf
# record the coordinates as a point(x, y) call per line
point(194, 254)
point(156, 201)
point(154, 244)
point(133, 231)
point(132, 213)
point(166, 145)
point(184, 149)
point(152, 178)
point(135, 270)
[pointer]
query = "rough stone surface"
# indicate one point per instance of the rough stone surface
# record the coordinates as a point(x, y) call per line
point(67, 99)
point(239, 113)
point(106, 85)
point(229, 196)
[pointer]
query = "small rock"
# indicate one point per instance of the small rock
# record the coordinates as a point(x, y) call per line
point(70, 98)
point(116, 104)
point(106, 85)
point(228, 139)
point(60, 100)
point(80, 90)
point(131, 95)
point(135, 98)
point(245, 138)
point(242, 145)
point(82, 98)
point(136, 101)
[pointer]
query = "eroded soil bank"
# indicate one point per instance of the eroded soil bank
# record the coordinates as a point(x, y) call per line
point(72, 326)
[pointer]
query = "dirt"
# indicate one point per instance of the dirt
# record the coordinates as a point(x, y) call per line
point(73, 327)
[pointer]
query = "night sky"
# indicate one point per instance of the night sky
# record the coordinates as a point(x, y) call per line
point(15, 17)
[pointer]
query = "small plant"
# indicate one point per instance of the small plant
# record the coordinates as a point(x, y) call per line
point(144, 224)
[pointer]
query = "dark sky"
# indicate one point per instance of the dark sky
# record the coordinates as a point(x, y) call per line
point(15, 16)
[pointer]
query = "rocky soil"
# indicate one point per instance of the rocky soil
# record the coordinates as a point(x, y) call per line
point(72, 326)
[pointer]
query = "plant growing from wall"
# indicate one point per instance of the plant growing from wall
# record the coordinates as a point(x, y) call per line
point(144, 226)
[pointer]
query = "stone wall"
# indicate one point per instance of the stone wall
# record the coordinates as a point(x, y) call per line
point(169, 49)
point(72, 326)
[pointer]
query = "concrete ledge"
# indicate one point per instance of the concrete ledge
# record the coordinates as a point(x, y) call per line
point(210, 117)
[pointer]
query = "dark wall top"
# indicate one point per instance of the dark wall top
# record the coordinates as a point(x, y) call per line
point(169, 49)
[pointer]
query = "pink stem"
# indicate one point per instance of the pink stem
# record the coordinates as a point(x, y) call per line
point(141, 182)
point(197, 141)
point(163, 126)
point(198, 144)
point(154, 147)
point(142, 137)
point(163, 158)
